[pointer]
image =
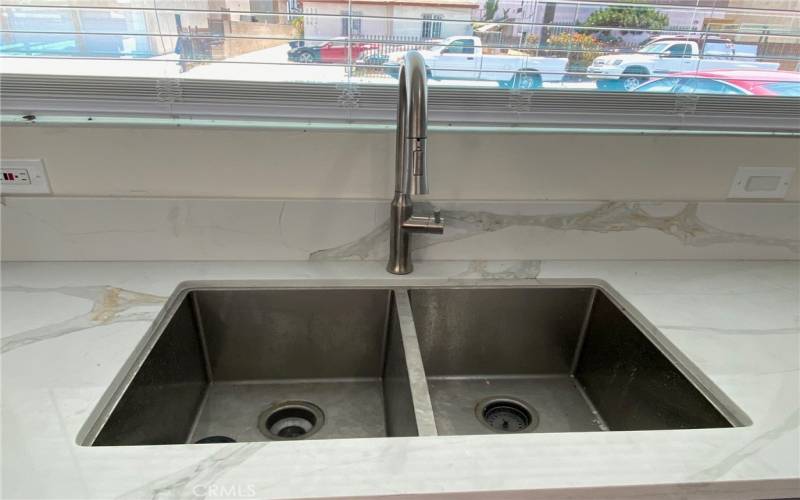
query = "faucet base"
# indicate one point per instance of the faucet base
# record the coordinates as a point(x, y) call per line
point(399, 238)
point(399, 270)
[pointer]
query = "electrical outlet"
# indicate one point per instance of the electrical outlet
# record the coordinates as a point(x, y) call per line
point(766, 183)
point(23, 177)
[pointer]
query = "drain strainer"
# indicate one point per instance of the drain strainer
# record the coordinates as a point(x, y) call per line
point(291, 420)
point(505, 414)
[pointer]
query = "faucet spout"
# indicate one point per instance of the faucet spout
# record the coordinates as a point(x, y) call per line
point(411, 173)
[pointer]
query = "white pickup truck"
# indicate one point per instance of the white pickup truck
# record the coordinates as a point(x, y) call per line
point(464, 58)
point(667, 55)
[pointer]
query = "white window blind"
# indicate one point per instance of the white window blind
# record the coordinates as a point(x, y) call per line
point(730, 65)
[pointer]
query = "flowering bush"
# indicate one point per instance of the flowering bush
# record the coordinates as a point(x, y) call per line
point(581, 49)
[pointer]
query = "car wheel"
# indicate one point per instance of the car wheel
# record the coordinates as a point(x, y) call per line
point(629, 83)
point(527, 80)
point(305, 57)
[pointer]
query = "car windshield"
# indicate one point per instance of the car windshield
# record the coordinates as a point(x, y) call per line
point(787, 89)
point(654, 48)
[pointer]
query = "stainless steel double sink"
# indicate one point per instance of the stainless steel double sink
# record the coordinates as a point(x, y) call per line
point(236, 362)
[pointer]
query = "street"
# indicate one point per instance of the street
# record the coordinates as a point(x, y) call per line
point(267, 65)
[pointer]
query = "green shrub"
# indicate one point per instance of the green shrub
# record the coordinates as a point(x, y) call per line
point(632, 20)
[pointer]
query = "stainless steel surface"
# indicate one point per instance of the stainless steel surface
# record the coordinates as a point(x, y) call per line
point(631, 383)
point(226, 355)
point(479, 343)
point(396, 381)
point(352, 408)
point(170, 385)
point(411, 176)
point(559, 404)
point(501, 331)
point(401, 362)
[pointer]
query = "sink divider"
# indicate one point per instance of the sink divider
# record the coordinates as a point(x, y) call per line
point(418, 381)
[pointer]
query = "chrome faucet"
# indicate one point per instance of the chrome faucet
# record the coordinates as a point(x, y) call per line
point(411, 175)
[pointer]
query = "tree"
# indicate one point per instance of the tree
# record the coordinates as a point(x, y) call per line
point(299, 26)
point(635, 19)
point(490, 8)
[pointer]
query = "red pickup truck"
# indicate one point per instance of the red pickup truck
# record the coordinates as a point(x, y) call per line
point(332, 51)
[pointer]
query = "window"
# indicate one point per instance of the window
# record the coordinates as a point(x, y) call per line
point(679, 50)
point(555, 63)
point(706, 86)
point(463, 46)
point(660, 85)
point(432, 26)
point(718, 49)
point(783, 88)
point(353, 20)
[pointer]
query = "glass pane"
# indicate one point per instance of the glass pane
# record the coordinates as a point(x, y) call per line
point(750, 46)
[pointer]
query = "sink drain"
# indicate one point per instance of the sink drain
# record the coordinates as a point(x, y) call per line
point(291, 420)
point(504, 414)
point(215, 439)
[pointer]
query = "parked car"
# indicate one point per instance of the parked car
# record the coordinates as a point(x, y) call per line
point(465, 58)
point(332, 51)
point(735, 82)
point(666, 55)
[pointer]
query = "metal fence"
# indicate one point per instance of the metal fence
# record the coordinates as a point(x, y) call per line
point(370, 60)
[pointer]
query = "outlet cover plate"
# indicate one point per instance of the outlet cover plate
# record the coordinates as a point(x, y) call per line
point(765, 183)
point(29, 177)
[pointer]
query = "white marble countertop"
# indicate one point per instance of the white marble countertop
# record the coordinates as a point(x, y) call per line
point(67, 328)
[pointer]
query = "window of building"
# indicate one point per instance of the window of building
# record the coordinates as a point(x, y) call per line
point(432, 26)
point(351, 23)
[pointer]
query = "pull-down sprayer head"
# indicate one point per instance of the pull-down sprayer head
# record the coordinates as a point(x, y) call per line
point(412, 126)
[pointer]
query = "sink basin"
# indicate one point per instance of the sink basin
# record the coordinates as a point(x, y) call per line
point(552, 360)
point(328, 361)
point(235, 362)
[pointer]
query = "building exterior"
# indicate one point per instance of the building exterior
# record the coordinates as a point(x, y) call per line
point(100, 29)
point(403, 19)
point(535, 17)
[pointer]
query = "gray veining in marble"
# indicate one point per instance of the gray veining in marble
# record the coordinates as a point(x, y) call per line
point(132, 229)
point(484, 269)
point(731, 460)
point(201, 480)
point(109, 305)
point(686, 226)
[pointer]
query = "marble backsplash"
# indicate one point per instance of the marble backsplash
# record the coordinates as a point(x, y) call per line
point(54, 228)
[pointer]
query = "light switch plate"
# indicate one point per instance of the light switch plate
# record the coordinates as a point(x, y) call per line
point(23, 177)
point(766, 183)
